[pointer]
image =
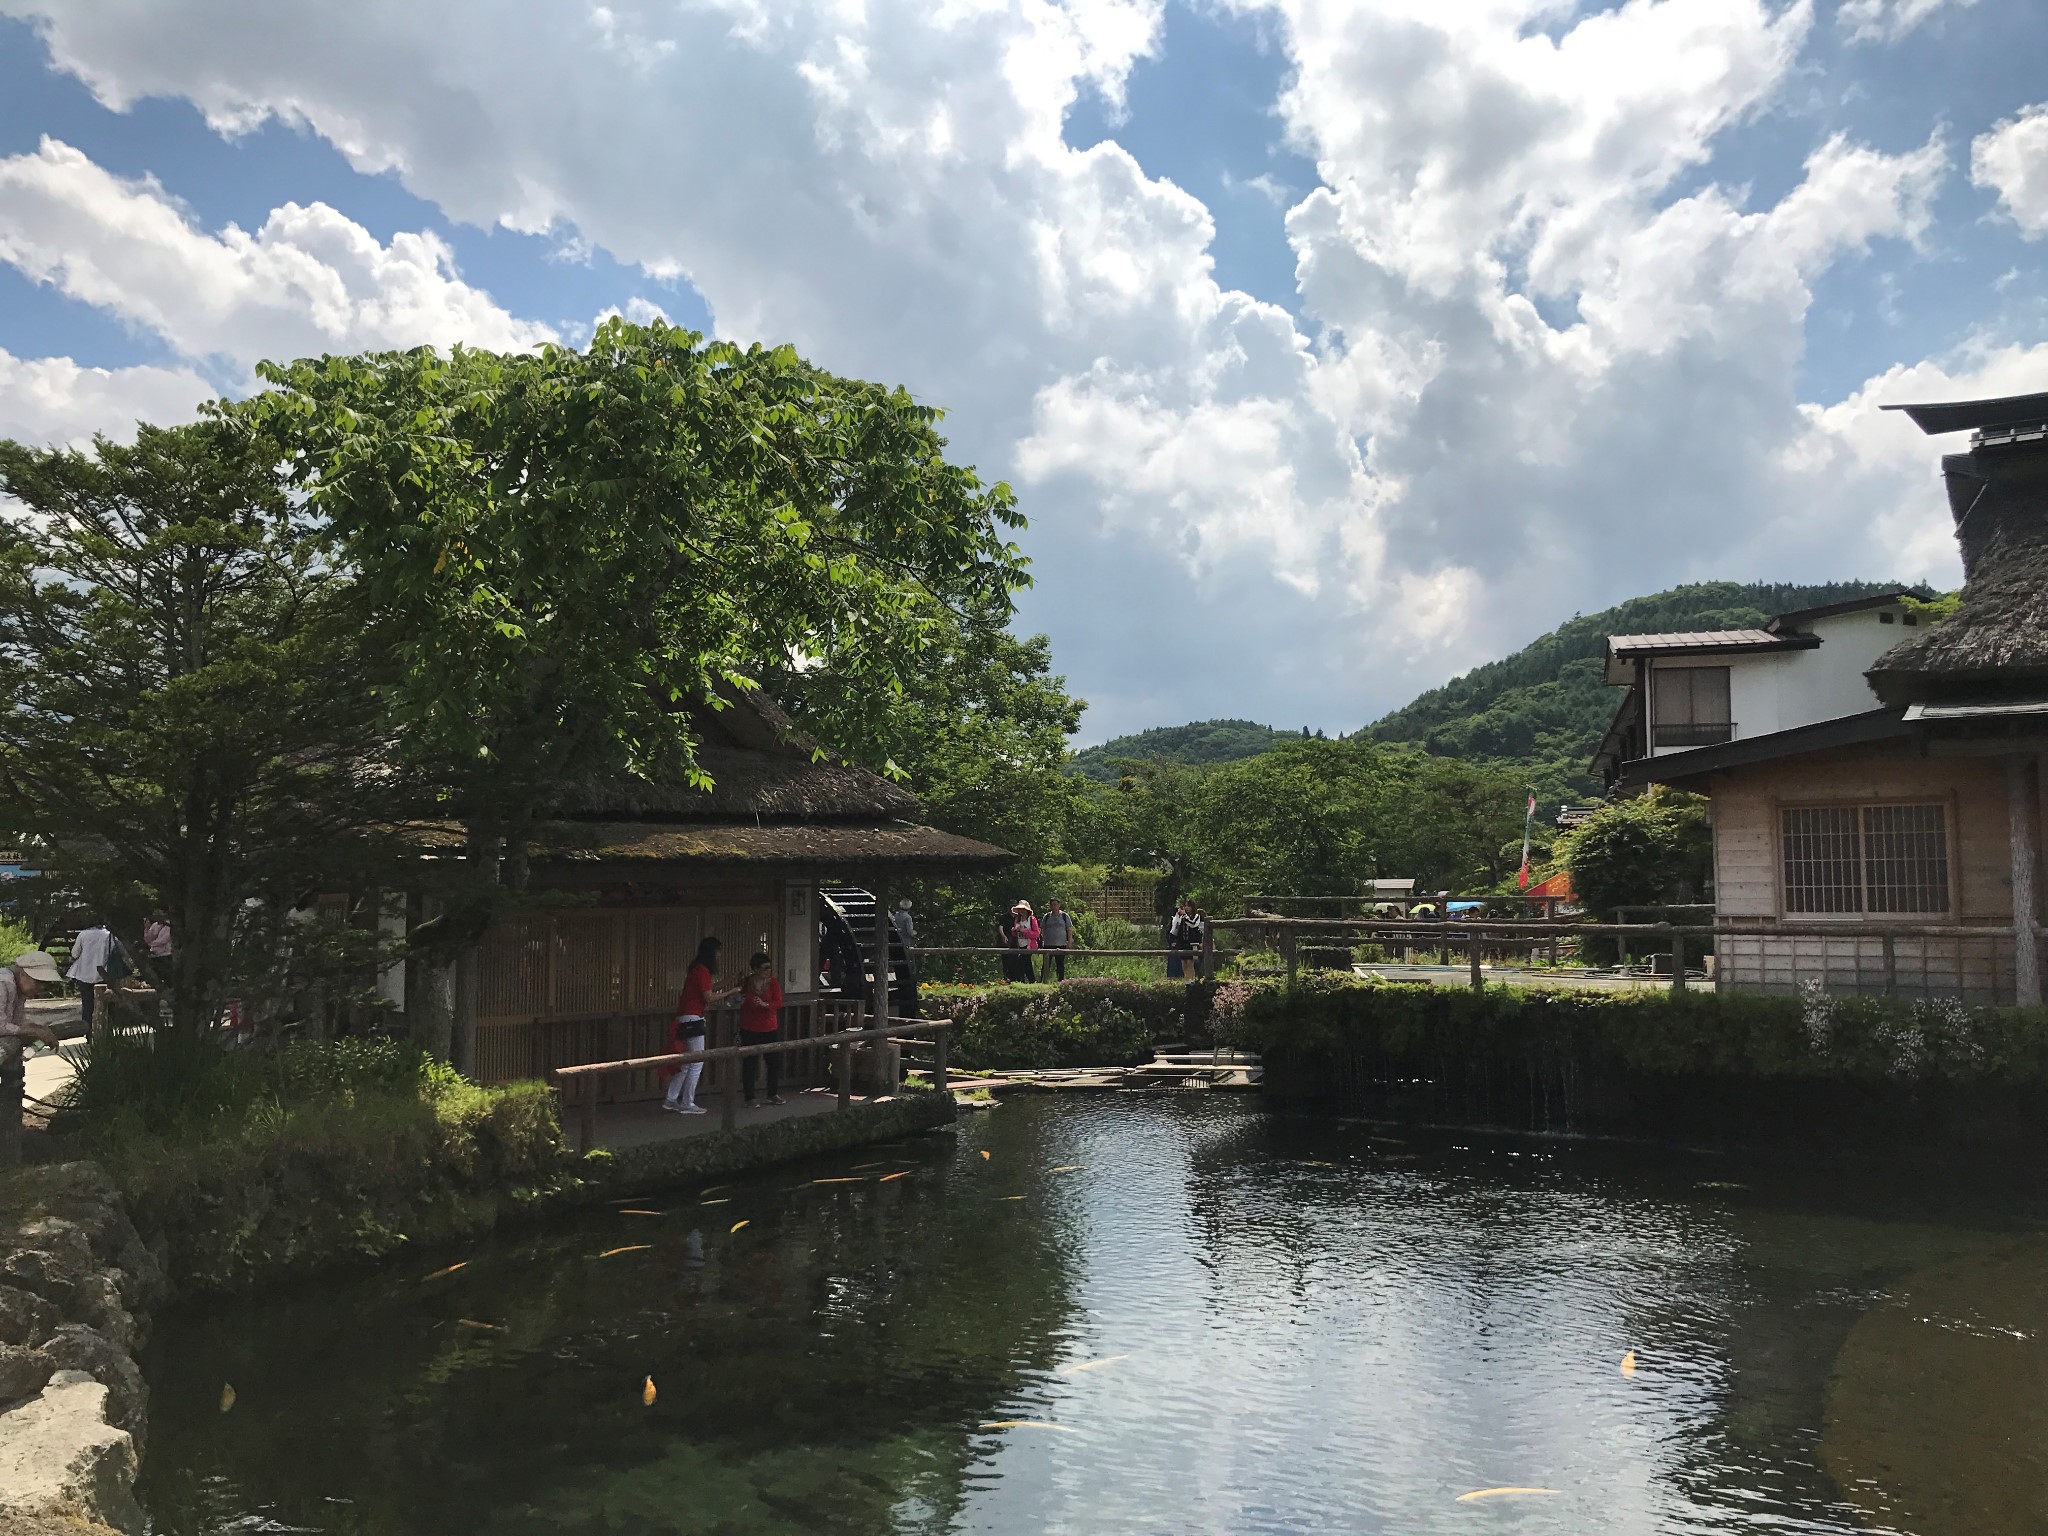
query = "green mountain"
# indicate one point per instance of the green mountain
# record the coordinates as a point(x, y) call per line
point(1204, 741)
point(1544, 709)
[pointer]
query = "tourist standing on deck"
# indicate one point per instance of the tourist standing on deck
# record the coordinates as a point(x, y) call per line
point(689, 1029)
point(19, 982)
point(90, 952)
point(906, 930)
point(1055, 938)
point(761, 1022)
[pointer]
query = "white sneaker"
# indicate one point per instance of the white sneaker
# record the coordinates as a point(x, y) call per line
point(671, 1106)
point(692, 1109)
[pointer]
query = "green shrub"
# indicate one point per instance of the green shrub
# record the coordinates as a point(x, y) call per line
point(1723, 1033)
point(1087, 1022)
point(248, 1162)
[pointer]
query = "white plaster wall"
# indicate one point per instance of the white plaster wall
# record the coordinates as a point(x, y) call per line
point(1782, 690)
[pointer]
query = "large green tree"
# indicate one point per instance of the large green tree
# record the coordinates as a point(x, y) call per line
point(564, 550)
point(190, 720)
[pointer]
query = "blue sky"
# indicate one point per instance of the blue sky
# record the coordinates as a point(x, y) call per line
point(1331, 348)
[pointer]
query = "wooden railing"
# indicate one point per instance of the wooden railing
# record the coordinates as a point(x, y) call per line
point(1473, 934)
point(584, 1080)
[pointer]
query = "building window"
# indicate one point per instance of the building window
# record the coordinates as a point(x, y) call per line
point(1689, 707)
point(1883, 859)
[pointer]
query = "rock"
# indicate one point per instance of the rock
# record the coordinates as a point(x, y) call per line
point(23, 1371)
point(59, 1456)
point(75, 1347)
point(25, 1318)
point(96, 1302)
point(48, 1256)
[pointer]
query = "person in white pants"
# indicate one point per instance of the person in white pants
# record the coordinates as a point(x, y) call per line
point(689, 1029)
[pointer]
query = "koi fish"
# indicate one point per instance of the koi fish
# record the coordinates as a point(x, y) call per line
point(1497, 1493)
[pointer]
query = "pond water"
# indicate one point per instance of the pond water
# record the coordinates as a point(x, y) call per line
point(1173, 1314)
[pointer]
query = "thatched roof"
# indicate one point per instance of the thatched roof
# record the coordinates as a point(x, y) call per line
point(839, 845)
point(1997, 640)
point(770, 785)
point(761, 766)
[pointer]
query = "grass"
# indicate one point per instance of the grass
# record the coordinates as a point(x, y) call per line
point(254, 1161)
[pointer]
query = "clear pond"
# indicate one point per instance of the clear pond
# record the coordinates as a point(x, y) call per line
point(1156, 1315)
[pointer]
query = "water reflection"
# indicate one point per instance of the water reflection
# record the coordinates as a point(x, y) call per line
point(1147, 1315)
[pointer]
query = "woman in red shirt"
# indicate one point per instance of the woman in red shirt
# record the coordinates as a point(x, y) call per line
point(761, 1022)
point(686, 1032)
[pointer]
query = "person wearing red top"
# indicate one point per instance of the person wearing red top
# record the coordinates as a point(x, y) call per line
point(761, 1022)
point(687, 1030)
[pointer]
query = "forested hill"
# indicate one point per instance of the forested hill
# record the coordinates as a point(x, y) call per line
point(1204, 741)
point(1545, 707)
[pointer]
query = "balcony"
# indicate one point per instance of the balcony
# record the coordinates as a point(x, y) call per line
point(1664, 738)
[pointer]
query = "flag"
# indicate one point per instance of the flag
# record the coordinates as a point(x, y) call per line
point(1528, 827)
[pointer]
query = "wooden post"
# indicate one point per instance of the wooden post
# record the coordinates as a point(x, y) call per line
point(728, 1091)
point(1208, 953)
point(881, 964)
point(1290, 954)
point(1477, 983)
point(940, 1080)
point(1678, 962)
point(1891, 964)
point(2019, 810)
point(1553, 951)
point(843, 1064)
point(586, 1113)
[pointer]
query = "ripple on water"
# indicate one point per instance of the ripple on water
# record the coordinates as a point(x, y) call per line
point(1288, 1330)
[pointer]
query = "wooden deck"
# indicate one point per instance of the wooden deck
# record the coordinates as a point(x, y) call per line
point(643, 1122)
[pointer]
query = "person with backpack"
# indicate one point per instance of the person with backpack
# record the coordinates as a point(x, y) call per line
point(689, 1027)
point(97, 958)
point(1055, 938)
point(761, 1022)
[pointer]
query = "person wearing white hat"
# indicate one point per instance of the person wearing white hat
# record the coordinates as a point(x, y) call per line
point(19, 982)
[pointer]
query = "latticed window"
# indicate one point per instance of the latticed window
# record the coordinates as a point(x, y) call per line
point(1870, 858)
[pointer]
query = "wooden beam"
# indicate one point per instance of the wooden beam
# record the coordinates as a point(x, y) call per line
point(2020, 798)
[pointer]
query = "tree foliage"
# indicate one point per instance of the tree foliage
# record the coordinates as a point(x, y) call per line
point(191, 719)
point(1313, 817)
point(1648, 849)
point(563, 550)
point(1199, 744)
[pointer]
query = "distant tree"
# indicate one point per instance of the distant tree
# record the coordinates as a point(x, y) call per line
point(1650, 848)
point(191, 721)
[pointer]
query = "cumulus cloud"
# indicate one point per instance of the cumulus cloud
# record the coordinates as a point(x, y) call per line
point(2012, 160)
point(52, 400)
point(1542, 357)
point(308, 281)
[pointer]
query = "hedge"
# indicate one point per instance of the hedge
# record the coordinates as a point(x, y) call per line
point(1725, 1034)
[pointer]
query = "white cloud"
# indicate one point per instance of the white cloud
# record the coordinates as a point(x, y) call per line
point(52, 400)
point(1545, 359)
point(1886, 21)
point(2012, 160)
point(309, 281)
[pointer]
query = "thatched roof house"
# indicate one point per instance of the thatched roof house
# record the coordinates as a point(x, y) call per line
point(1891, 842)
point(1994, 648)
point(631, 874)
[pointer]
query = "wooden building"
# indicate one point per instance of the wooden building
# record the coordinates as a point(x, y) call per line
point(631, 875)
point(1890, 840)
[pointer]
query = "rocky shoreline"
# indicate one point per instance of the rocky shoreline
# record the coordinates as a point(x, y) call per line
point(77, 1284)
